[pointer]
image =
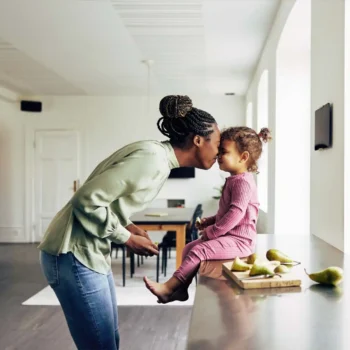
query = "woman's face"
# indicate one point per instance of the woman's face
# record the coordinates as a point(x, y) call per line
point(208, 149)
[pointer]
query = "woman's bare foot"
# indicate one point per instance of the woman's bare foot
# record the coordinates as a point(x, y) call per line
point(160, 290)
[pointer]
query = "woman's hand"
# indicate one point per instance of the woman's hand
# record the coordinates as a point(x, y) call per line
point(137, 231)
point(141, 245)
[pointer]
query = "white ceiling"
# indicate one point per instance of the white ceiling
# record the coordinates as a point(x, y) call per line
point(95, 47)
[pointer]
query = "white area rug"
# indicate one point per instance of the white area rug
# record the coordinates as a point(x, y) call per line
point(134, 292)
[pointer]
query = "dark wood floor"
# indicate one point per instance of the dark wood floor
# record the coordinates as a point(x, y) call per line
point(43, 328)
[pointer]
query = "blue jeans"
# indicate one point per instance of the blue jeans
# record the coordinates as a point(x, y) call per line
point(88, 301)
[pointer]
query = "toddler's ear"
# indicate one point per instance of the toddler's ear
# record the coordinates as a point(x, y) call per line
point(245, 156)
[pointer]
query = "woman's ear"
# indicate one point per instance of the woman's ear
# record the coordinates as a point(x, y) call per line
point(197, 140)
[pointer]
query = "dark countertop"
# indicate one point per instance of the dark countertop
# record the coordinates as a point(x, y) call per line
point(310, 317)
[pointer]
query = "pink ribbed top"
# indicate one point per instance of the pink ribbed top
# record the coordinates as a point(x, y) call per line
point(238, 209)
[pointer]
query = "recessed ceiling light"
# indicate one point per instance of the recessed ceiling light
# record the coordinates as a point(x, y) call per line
point(229, 93)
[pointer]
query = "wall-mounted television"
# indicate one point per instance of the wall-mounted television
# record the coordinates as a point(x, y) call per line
point(323, 127)
point(182, 173)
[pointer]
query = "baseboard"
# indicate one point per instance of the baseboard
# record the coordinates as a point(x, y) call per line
point(12, 234)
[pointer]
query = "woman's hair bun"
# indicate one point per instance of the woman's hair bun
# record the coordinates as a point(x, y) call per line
point(175, 106)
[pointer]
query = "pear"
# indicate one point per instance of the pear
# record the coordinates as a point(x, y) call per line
point(281, 269)
point(275, 254)
point(239, 265)
point(252, 258)
point(261, 270)
point(331, 276)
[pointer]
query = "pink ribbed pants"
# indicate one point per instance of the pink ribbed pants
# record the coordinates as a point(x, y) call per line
point(222, 248)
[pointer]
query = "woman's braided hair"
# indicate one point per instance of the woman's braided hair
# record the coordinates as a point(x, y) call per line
point(181, 120)
point(247, 140)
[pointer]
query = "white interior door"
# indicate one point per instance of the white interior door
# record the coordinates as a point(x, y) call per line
point(56, 175)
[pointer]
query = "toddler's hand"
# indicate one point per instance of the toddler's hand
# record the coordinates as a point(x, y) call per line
point(204, 236)
point(201, 224)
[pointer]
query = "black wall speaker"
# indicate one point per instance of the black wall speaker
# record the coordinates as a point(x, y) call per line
point(31, 106)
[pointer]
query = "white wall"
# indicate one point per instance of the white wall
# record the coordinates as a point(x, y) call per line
point(262, 122)
point(327, 85)
point(249, 115)
point(11, 172)
point(105, 124)
point(292, 196)
point(347, 131)
point(292, 125)
point(329, 217)
point(268, 62)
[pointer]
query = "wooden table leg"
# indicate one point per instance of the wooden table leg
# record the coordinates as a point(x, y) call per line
point(180, 236)
point(180, 243)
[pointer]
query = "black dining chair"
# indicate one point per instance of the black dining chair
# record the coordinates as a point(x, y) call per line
point(122, 247)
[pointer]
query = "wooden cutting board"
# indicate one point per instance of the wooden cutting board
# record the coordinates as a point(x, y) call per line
point(289, 279)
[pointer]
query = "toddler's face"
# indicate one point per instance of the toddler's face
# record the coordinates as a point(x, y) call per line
point(229, 159)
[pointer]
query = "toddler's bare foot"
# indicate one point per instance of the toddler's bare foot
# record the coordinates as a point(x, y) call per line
point(180, 295)
point(160, 290)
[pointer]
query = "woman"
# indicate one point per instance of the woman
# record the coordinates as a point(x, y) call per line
point(75, 252)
